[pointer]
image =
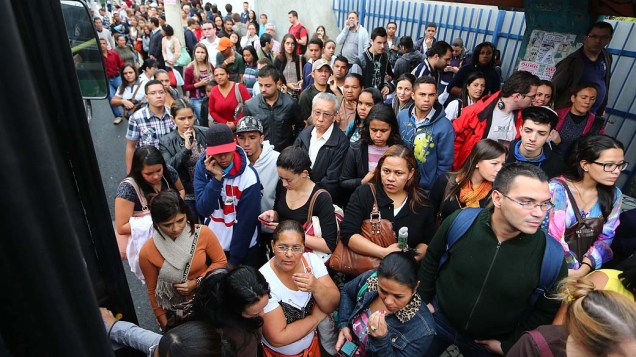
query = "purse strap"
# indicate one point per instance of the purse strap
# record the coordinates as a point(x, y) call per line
point(314, 197)
point(542, 344)
point(374, 211)
point(575, 207)
point(186, 271)
point(237, 93)
point(140, 195)
point(136, 90)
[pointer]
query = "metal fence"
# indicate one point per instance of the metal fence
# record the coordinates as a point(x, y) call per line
point(476, 24)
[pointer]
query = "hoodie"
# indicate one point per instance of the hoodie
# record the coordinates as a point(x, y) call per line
point(406, 64)
point(231, 206)
point(431, 141)
point(268, 175)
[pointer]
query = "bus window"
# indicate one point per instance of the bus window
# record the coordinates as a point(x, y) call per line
point(85, 49)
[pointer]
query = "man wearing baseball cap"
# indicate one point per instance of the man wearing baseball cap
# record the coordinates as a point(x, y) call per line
point(228, 192)
point(230, 59)
point(262, 156)
point(534, 146)
point(321, 71)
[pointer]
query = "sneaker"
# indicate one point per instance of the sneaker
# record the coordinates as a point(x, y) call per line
point(117, 120)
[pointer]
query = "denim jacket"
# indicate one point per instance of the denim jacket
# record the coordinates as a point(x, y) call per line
point(409, 338)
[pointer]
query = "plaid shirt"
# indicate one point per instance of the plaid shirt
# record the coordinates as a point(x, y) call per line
point(146, 128)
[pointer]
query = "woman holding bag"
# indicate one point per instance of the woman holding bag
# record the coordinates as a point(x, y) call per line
point(294, 195)
point(226, 99)
point(397, 197)
point(587, 203)
point(174, 260)
point(148, 174)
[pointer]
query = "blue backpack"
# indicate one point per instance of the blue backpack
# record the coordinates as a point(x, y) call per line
point(552, 256)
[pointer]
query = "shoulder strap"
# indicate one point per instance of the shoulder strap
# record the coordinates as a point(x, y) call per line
point(575, 207)
point(314, 197)
point(458, 228)
point(136, 90)
point(305, 264)
point(195, 240)
point(550, 268)
point(237, 93)
point(140, 194)
point(365, 287)
point(374, 210)
point(542, 344)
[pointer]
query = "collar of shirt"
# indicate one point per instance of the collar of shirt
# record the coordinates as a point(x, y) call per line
point(417, 122)
point(325, 136)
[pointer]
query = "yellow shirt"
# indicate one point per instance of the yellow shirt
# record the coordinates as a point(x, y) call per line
point(615, 284)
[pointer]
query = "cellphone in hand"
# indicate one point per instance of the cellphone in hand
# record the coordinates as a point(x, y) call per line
point(349, 349)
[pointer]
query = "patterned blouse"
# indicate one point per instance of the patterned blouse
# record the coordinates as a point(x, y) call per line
point(562, 216)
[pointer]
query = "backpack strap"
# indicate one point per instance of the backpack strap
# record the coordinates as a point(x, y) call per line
point(550, 268)
point(458, 228)
point(542, 344)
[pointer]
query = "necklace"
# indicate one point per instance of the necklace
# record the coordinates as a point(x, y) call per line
point(583, 208)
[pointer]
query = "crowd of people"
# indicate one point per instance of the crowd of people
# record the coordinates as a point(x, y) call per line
point(391, 199)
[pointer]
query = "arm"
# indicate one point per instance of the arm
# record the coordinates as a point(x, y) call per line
point(445, 149)
point(556, 220)
point(245, 94)
point(212, 107)
point(601, 252)
point(178, 185)
point(323, 208)
point(349, 179)
point(207, 190)
point(164, 53)
point(151, 275)
point(189, 82)
point(303, 37)
point(123, 211)
point(349, 298)
point(363, 39)
point(542, 313)
point(213, 250)
point(247, 212)
point(128, 334)
point(342, 36)
point(173, 158)
point(130, 151)
point(278, 333)
point(325, 292)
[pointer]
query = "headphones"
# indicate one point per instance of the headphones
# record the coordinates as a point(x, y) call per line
point(501, 105)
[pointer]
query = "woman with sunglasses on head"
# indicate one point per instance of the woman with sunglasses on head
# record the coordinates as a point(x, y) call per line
point(587, 191)
point(302, 295)
point(381, 313)
point(174, 261)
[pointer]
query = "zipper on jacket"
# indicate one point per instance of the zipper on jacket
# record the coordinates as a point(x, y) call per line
point(472, 311)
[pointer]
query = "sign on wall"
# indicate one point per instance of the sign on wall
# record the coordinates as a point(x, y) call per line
point(545, 50)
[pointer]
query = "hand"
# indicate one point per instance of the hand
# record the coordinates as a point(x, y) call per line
point(230, 59)
point(392, 248)
point(128, 104)
point(201, 83)
point(368, 177)
point(268, 217)
point(384, 91)
point(429, 42)
point(108, 317)
point(555, 137)
point(431, 308)
point(493, 346)
point(231, 125)
point(344, 335)
point(189, 139)
point(213, 168)
point(578, 273)
point(186, 288)
point(163, 322)
point(377, 324)
point(305, 282)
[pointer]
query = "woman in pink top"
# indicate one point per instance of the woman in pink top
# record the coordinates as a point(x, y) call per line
point(197, 75)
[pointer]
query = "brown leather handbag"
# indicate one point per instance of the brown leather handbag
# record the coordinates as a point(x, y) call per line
point(377, 230)
point(583, 233)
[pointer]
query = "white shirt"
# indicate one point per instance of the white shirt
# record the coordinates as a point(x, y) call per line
point(502, 127)
point(295, 298)
point(316, 143)
point(212, 49)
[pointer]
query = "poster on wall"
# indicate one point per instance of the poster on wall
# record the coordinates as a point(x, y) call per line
point(545, 50)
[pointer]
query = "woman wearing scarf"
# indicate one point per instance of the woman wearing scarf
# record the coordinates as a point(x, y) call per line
point(176, 259)
point(472, 184)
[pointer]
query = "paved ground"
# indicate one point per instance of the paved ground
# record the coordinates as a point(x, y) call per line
point(109, 141)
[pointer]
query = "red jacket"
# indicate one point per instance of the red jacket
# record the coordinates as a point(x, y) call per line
point(590, 126)
point(473, 125)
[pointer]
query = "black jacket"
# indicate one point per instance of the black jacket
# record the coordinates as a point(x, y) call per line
point(154, 48)
point(421, 223)
point(176, 155)
point(328, 165)
point(552, 165)
point(355, 166)
point(281, 122)
point(372, 78)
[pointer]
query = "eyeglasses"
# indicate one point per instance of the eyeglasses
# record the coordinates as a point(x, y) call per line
point(296, 249)
point(601, 37)
point(529, 205)
point(610, 166)
point(318, 114)
point(160, 92)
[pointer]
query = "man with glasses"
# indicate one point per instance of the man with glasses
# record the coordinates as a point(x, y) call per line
point(148, 124)
point(210, 41)
point(589, 64)
point(495, 116)
point(483, 288)
point(325, 143)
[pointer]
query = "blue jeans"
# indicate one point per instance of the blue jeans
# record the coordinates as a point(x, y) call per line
point(196, 104)
point(446, 335)
point(113, 84)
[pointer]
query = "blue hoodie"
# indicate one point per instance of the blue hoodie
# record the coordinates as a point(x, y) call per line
point(231, 206)
point(432, 143)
